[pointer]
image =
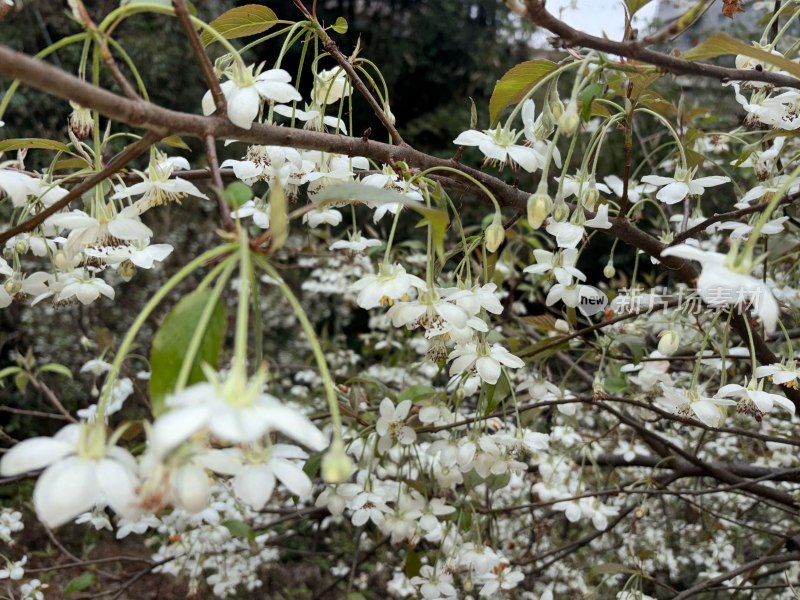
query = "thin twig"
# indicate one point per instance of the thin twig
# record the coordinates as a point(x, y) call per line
point(218, 187)
point(201, 56)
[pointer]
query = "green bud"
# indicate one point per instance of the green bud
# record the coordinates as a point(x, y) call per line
point(569, 120)
point(539, 207)
point(589, 196)
point(336, 465)
point(668, 342)
point(12, 287)
point(609, 271)
point(61, 261)
point(561, 210)
point(20, 246)
point(126, 270)
point(495, 234)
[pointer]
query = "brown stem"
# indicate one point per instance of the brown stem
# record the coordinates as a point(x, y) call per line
point(218, 187)
point(117, 163)
point(201, 56)
point(570, 37)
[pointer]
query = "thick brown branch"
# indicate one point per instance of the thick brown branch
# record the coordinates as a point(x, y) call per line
point(635, 50)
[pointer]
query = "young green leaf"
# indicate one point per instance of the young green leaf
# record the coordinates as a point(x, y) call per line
point(515, 83)
point(250, 19)
point(172, 340)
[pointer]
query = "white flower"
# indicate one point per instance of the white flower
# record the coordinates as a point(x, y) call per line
point(755, 401)
point(561, 263)
point(21, 287)
point(312, 117)
point(743, 230)
point(502, 578)
point(475, 299)
point(142, 255)
point(434, 583)
point(488, 362)
point(256, 468)
point(356, 243)
point(81, 469)
point(234, 410)
point(316, 217)
point(158, 187)
point(107, 229)
point(600, 219)
point(567, 234)
point(17, 186)
point(330, 86)
point(84, 286)
point(390, 284)
point(691, 403)
point(244, 91)
point(682, 184)
point(391, 425)
point(635, 190)
point(368, 506)
point(428, 311)
point(781, 373)
point(720, 285)
point(500, 146)
point(14, 570)
point(257, 209)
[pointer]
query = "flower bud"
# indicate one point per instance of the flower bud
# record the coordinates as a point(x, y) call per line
point(12, 287)
point(336, 465)
point(554, 103)
point(539, 207)
point(126, 270)
point(569, 120)
point(80, 121)
point(561, 210)
point(668, 341)
point(495, 234)
point(20, 246)
point(609, 271)
point(590, 195)
point(61, 261)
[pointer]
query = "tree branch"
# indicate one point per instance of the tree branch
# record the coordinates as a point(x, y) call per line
point(636, 50)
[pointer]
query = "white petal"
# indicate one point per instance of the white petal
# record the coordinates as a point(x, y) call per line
point(118, 484)
point(243, 105)
point(291, 476)
point(65, 490)
point(33, 454)
point(253, 485)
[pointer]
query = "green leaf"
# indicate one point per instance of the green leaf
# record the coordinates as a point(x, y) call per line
point(516, 82)
point(340, 26)
point(71, 163)
point(239, 529)
point(609, 569)
point(171, 342)
point(635, 5)
point(473, 114)
point(587, 97)
point(21, 381)
point(9, 371)
point(237, 194)
point(32, 144)
point(250, 19)
point(313, 465)
point(55, 368)
point(175, 141)
point(356, 192)
point(721, 44)
point(416, 393)
point(79, 583)
point(413, 563)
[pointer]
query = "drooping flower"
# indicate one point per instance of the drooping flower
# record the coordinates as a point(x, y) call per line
point(391, 283)
point(158, 186)
point(682, 184)
point(561, 264)
point(81, 468)
point(753, 399)
point(330, 86)
point(500, 146)
point(692, 403)
point(724, 283)
point(488, 362)
point(233, 410)
point(243, 92)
